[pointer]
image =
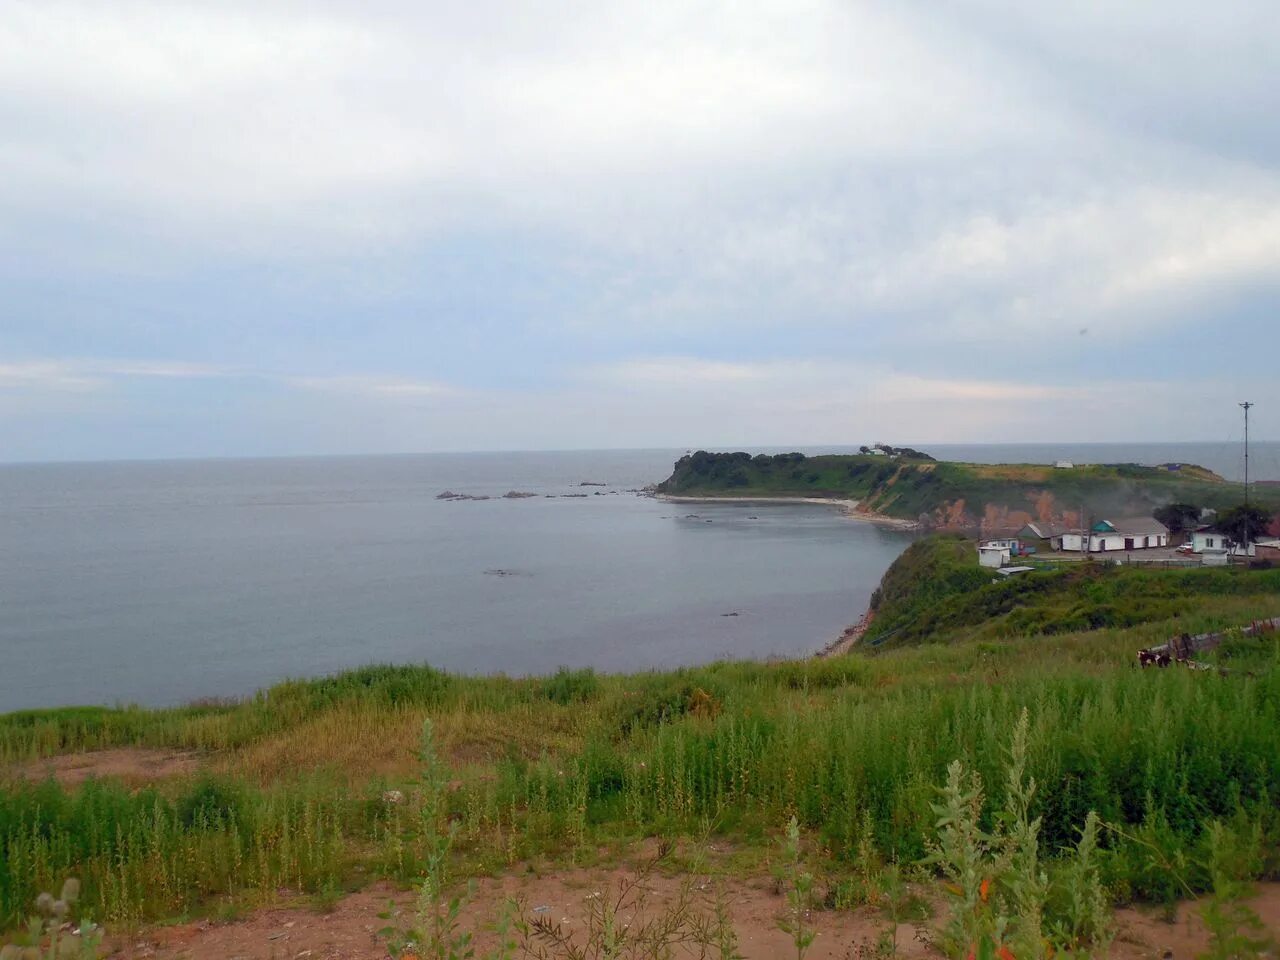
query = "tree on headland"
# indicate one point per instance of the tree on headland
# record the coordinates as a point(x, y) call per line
point(1244, 523)
point(1178, 517)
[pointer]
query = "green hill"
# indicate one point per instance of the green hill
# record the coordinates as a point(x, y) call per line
point(945, 495)
point(937, 592)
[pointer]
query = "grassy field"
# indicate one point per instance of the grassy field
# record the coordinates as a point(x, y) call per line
point(955, 494)
point(936, 590)
point(320, 786)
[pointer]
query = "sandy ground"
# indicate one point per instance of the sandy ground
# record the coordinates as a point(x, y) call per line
point(134, 765)
point(850, 508)
point(350, 930)
point(296, 929)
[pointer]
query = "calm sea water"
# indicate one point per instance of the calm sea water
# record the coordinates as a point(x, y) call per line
point(158, 583)
point(162, 582)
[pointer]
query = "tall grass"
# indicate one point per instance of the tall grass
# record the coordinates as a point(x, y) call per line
point(852, 748)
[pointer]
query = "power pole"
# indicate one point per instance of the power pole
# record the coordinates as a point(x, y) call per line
point(1246, 406)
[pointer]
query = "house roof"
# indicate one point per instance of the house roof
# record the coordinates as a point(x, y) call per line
point(1011, 571)
point(1136, 526)
point(1047, 531)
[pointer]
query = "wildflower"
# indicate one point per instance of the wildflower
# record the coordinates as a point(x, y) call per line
point(1004, 953)
point(984, 889)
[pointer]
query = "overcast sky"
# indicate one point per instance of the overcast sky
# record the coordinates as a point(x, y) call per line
point(243, 228)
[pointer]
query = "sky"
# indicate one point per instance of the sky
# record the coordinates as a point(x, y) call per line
point(256, 228)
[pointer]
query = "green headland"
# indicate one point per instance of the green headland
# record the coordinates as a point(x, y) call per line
point(951, 496)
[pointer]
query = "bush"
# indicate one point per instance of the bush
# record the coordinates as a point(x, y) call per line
point(571, 686)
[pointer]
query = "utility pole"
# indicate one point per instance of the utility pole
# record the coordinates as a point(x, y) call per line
point(1246, 406)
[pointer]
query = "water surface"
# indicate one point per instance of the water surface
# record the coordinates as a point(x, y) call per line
point(157, 583)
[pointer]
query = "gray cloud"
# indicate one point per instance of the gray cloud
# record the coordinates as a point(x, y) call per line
point(929, 200)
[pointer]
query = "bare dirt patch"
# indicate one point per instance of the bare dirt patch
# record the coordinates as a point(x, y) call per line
point(350, 931)
point(131, 764)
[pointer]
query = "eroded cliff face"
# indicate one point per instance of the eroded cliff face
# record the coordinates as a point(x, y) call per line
point(996, 518)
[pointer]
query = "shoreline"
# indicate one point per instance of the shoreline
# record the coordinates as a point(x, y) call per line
point(849, 639)
point(850, 508)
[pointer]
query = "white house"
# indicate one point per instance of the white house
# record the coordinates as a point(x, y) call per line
point(1008, 544)
point(1210, 540)
point(1127, 533)
point(1064, 465)
point(996, 553)
point(1208, 537)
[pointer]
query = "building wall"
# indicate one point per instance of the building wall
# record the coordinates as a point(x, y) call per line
point(1112, 542)
point(1267, 552)
point(992, 557)
point(1207, 541)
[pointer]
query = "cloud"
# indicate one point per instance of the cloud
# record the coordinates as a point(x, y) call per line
point(80, 374)
point(795, 218)
point(679, 370)
point(45, 375)
point(385, 387)
point(818, 380)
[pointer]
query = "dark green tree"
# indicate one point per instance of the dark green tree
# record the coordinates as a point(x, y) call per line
point(1178, 517)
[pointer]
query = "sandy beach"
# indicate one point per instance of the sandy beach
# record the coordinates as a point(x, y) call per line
point(850, 508)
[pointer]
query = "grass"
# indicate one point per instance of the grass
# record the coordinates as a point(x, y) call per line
point(935, 590)
point(315, 786)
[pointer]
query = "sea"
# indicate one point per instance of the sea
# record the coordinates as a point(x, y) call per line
point(163, 582)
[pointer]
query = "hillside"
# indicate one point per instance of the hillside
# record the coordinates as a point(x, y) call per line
point(957, 496)
point(936, 592)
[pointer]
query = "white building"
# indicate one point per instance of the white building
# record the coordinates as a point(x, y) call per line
point(1127, 533)
point(992, 557)
point(1111, 536)
point(1210, 540)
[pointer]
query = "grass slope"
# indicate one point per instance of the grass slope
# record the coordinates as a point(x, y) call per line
point(953, 494)
point(560, 768)
point(936, 592)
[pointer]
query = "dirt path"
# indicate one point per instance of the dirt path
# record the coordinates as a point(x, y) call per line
point(350, 930)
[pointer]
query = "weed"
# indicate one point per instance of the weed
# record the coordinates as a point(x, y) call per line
point(46, 936)
point(1235, 931)
point(798, 890)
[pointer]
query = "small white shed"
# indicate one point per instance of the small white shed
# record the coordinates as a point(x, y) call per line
point(994, 557)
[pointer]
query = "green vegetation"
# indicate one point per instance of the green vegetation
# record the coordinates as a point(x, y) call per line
point(936, 592)
point(319, 786)
point(952, 494)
